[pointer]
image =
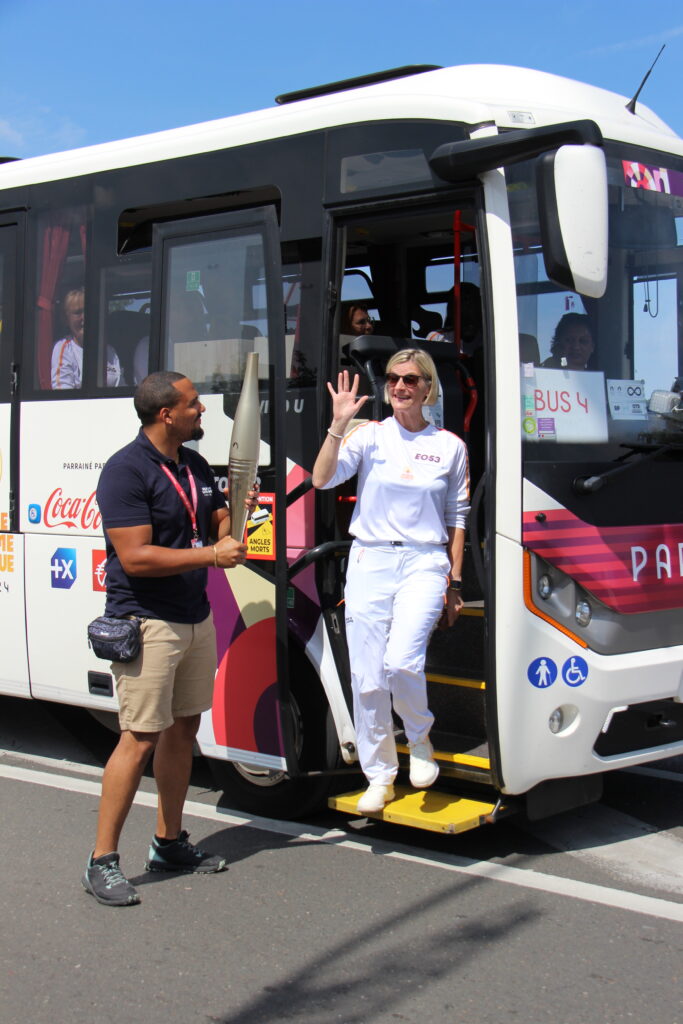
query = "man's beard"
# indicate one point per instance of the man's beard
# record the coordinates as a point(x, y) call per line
point(197, 434)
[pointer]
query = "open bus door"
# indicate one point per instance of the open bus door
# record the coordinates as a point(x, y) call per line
point(219, 296)
point(412, 268)
point(14, 670)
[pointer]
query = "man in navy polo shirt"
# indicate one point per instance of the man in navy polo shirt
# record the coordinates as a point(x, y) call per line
point(160, 505)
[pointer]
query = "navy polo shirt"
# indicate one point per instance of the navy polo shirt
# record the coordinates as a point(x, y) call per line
point(133, 490)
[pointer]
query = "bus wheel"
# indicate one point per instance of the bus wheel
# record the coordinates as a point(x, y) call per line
point(273, 794)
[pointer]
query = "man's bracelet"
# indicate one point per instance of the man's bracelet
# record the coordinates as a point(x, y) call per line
point(215, 556)
point(340, 437)
point(455, 585)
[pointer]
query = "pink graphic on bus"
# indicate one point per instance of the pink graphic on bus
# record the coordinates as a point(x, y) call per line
point(629, 568)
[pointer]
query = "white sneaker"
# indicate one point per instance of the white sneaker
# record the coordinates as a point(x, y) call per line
point(424, 770)
point(374, 798)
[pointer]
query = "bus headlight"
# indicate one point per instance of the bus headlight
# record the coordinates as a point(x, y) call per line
point(556, 720)
point(564, 720)
point(544, 586)
point(583, 613)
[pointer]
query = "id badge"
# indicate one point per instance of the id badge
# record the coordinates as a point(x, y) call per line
point(196, 542)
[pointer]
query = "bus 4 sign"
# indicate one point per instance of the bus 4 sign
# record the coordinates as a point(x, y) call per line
point(563, 405)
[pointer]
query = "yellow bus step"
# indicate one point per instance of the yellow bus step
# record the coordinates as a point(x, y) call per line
point(467, 760)
point(470, 684)
point(426, 809)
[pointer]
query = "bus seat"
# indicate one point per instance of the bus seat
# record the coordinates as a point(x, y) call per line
point(449, 367)
point(370, 353)
point(427, 320)
point(123, 330)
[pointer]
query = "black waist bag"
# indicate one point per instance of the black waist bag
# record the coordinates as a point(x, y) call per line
point(115, 639)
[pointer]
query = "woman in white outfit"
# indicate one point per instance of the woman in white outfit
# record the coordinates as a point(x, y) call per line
point(409, 533)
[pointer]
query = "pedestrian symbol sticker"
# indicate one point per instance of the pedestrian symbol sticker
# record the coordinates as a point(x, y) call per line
point(542, 673)
point(261, 529)
point(575, 671)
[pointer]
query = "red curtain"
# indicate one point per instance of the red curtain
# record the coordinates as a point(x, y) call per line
point(55, 247)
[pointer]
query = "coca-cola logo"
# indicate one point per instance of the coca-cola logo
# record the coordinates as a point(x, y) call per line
point(74, 513)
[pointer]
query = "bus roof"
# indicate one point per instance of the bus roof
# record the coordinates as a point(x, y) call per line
point(510, 97)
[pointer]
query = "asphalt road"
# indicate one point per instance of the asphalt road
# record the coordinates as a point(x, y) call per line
point(578, 920)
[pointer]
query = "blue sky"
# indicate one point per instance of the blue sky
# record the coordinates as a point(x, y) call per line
point(87, 71)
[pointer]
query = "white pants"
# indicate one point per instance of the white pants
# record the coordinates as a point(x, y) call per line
point(394, 596)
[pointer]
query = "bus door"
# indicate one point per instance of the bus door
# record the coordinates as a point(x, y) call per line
point(418, 273)
point(218, 296)
point(14, 671)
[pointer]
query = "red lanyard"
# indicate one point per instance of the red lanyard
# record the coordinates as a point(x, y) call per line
point(191, 508)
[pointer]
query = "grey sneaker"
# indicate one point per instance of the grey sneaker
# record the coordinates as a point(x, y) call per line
point(104, 880)
point(182, 855)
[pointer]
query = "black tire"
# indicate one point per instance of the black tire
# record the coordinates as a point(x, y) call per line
point(273, 793)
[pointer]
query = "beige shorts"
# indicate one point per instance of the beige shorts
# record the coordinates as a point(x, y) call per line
point(171, 678)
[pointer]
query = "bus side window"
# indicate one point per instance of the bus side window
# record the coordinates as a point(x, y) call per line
point(123, 356)
point(211, 307)
point(60, 330)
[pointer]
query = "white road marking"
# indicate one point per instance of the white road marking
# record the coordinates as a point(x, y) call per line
point(551, 884)
point(52, 762)
point(616, 842)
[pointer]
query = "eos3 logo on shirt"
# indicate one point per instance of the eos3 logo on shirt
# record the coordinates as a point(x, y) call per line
point(427, 458)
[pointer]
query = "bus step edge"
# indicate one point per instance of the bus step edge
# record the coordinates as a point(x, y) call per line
point(427, 809)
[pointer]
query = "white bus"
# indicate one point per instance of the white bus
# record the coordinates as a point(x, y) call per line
point(470, 209)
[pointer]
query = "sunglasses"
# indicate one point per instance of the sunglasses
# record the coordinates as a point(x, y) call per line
point(411, 380)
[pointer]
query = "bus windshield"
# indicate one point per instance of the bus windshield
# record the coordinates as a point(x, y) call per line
point(599, 373)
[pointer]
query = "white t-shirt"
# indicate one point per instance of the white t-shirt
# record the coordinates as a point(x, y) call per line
point(411, 486)
point(67, 366)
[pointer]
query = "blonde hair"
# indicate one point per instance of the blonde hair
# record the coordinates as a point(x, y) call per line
point(73, 296)
point(425, 365)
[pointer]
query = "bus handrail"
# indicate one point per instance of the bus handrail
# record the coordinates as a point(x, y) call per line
point(317, 554)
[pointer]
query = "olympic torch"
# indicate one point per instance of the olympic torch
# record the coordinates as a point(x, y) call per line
point(244, 448)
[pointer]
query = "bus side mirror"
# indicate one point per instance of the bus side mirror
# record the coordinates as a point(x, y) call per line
point(573, 212)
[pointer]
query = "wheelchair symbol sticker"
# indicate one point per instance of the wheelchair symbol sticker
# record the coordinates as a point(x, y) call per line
point(575, 671)
point(542, 672)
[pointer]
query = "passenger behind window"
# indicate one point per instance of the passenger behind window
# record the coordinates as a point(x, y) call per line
point(67, 354)
point(355, 319)
point(572, 345)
